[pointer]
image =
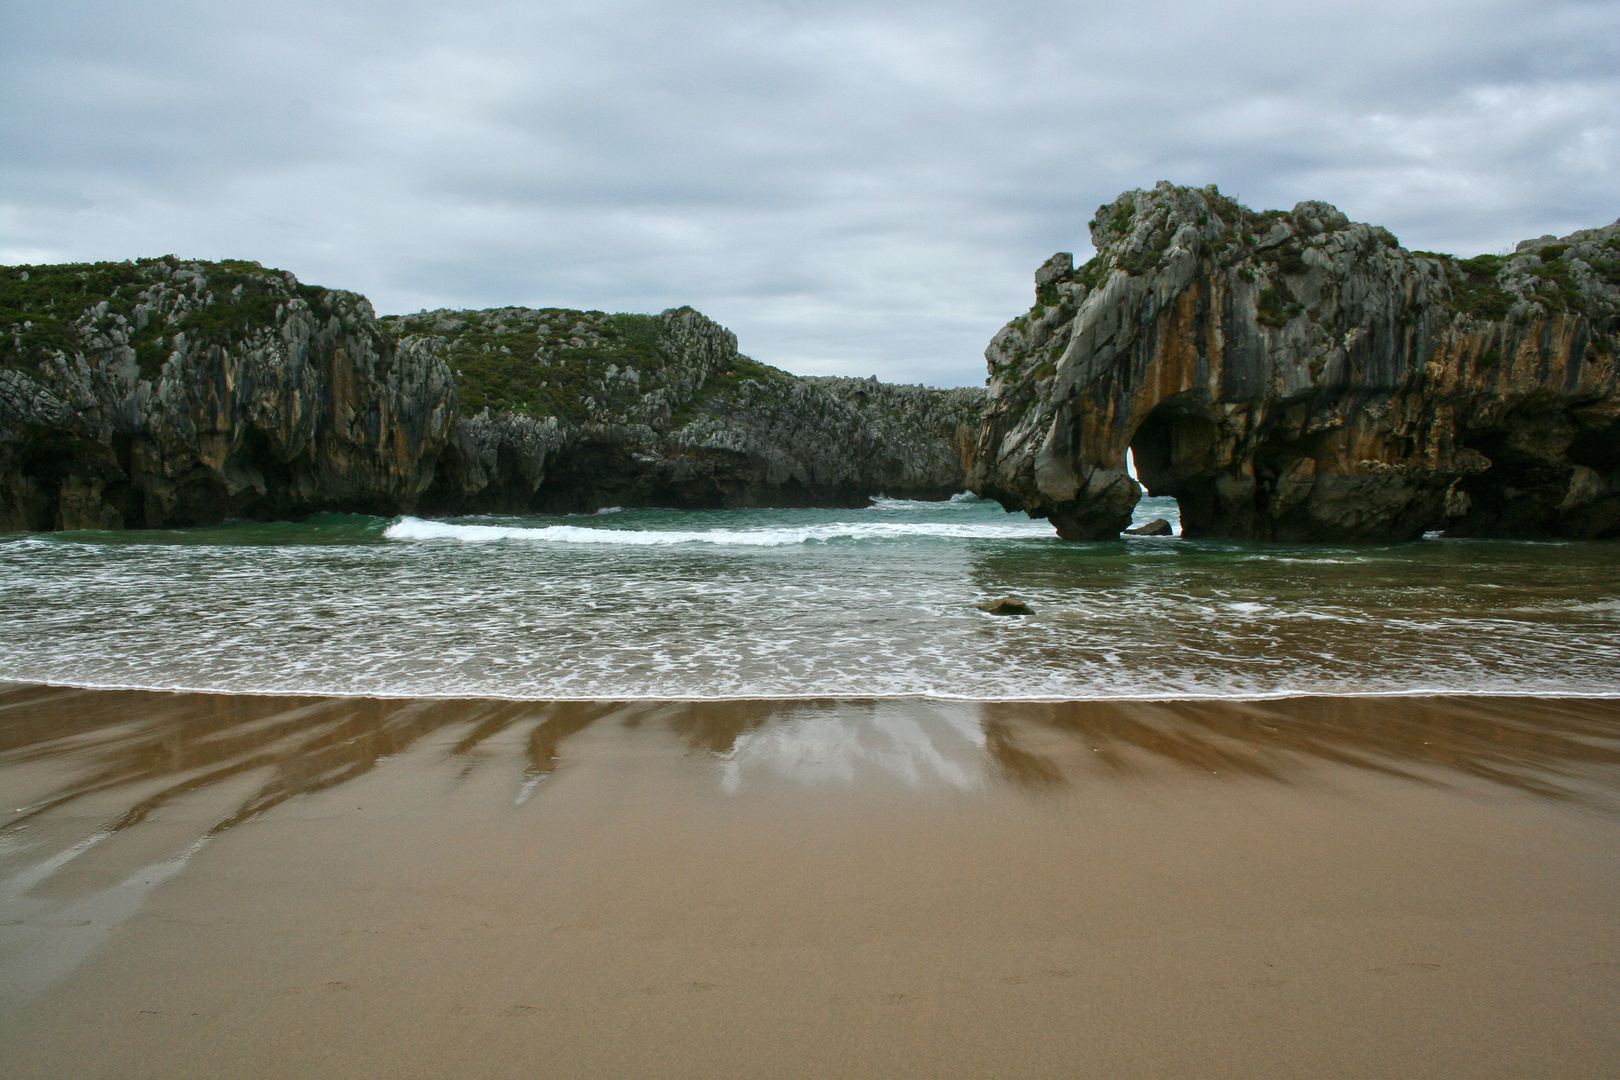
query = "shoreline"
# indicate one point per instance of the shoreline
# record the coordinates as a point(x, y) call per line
point(196, 885)
point(10, 684)
point(168, 744)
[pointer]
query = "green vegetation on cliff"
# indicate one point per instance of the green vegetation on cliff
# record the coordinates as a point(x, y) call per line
point(161, 392)
point(578, 366)
point(44, 309)
point(1293, 375)
point(539, 363)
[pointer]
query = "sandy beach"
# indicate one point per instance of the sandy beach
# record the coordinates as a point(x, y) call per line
point(214, 885)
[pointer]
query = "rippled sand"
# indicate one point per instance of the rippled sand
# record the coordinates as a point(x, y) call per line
point(202, 885)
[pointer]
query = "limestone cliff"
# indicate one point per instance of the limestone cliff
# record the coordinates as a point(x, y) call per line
point(161, 392)
point(1295, 376)
point(573, 410)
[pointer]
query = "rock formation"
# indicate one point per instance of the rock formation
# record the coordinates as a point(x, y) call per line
point(163, 392)
point(572, 411)
point(1295, 376)
point(1007, 605)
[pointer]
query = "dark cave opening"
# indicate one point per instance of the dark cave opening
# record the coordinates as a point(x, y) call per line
point(1516, 496)
point(1597, 446)
point(1174, 453)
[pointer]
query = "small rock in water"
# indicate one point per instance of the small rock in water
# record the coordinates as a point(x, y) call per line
point(1007, 605)
point(1156, 527)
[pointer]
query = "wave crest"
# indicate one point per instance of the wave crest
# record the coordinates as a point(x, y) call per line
point(410, 528)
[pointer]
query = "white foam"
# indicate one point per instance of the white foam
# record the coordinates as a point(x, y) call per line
point(410, 528)
point(960, 501)
point(713, 605)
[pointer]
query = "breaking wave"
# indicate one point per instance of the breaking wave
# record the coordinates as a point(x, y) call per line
point(410, 528)
point(879, 601)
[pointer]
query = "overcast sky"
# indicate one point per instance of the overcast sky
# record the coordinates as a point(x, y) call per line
point(853, 188)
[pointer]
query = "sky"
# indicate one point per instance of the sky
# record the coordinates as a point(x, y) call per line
point(856, 189)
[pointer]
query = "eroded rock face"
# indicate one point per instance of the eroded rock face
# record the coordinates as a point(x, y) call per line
point(168, 393)
point(171, 393)
point(578, 410)
point(1296, 376)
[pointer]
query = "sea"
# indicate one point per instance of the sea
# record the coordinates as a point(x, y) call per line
point(876, 602)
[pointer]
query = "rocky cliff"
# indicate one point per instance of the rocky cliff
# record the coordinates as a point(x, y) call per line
point(572, 411)
point(1292, 375)
point(163, 392)
point(159, 392)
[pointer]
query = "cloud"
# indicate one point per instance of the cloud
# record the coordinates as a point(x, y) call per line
point(853, 188)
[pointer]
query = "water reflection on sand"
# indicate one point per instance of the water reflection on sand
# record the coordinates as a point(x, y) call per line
point(158, 747)
point(911, 742)
point(82, 771)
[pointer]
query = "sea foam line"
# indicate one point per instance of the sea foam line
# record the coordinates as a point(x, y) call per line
point(410, 528)
point(12, 682)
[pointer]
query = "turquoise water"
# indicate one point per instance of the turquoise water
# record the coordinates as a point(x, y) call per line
point(876, 601)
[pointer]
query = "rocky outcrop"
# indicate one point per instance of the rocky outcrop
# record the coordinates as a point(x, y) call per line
point(163, 392)
point(1296, 376)
point(167, 393)
point(573, 411)
point(1007, 605)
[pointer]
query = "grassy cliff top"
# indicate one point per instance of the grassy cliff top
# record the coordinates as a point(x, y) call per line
point(581, 367)
point(584, 366)
point(67, 308)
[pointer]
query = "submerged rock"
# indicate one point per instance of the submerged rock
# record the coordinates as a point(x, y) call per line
point(1156, 527)
point(1007, 605)
point(1296, 376)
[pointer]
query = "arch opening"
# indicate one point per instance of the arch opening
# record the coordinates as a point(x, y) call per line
point(1174, 454)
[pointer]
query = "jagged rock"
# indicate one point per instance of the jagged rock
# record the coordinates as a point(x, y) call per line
point(1007, 605)
point(578, 410)
point(1156, 527)
point(1295, 376)
point(163, 392)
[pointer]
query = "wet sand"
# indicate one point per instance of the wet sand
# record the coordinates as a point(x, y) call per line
point(204, 885)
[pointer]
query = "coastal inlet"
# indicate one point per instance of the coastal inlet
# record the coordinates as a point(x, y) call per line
point(875, 602)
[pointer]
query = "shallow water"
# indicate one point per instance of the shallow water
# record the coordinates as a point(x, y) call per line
point(798, 603)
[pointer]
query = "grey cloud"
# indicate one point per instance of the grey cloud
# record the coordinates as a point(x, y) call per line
point(853, 188)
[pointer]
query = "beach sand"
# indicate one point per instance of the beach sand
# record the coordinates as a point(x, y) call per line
point(200, 885)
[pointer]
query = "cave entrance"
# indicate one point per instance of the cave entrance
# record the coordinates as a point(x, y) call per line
point(1526, 491)
point(1174, 453)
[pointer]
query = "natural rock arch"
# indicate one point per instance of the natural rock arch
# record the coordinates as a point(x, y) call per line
point(1294, 376)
